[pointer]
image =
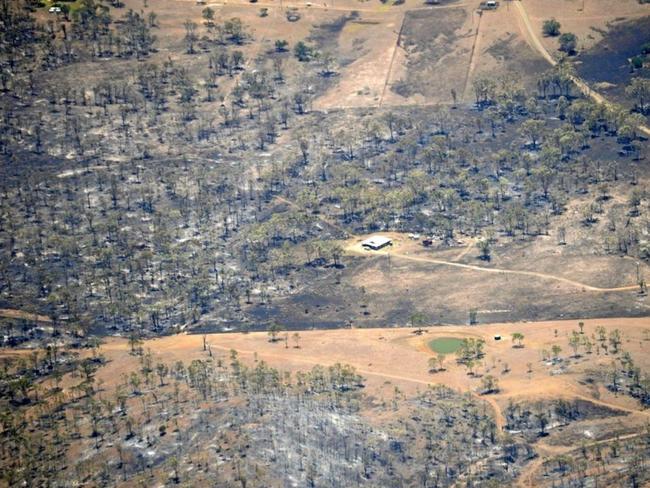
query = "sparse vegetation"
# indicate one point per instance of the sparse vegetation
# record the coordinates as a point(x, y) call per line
point(169, 172)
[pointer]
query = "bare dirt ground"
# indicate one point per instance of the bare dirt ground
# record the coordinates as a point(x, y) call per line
point(552, 263)
point(502, 48)
point(362, 82)
point(410, 54)
point(431, 50)
point(437, 50)
point(587, 19)
point(434, 282)
point(396, 358)
point(400, 357)
point(405, 250)
point(444, 283)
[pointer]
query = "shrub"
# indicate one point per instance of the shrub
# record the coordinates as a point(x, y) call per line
point(551, 28)
point(302, 51)
point(568, 42)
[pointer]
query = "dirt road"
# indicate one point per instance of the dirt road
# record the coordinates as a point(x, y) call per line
point(331, 5)
point(527, 476)
point(354, 250)
point(499, 418)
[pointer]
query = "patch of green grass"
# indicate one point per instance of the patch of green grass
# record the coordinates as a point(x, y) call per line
point(445, 345)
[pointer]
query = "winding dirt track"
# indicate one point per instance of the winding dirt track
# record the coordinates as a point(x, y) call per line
point(542, 449)
point(386, 370)
point(529, 33)
point(352, 249)
point(498, 271)
point(527, 477)
point(324, 6)
point(499, 418)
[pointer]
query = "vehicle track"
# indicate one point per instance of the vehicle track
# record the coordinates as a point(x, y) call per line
point(527, 475)
point(472, 58)
point(473, 267)
point(492, 400)
point(324, 6)
point(392, 61)
point(465, 251)
point(499, 418)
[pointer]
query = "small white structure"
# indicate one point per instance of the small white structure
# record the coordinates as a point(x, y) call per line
point(376, 243)
point(55, 10)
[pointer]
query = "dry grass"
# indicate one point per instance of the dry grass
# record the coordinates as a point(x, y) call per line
point(377, 59)
point(586, 19)
point(398, 356)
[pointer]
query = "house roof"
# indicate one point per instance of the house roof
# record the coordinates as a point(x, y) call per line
point(376, 241)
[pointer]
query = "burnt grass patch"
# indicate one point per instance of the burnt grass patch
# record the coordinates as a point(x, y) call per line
point(541, 418)
point(608, 60)
point(324, 37)
point(518, 59)
point(429, 37)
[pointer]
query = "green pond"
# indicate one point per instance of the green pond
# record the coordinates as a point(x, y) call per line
point(445, 345)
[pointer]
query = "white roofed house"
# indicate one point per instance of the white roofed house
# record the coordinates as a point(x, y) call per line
point(375, 243)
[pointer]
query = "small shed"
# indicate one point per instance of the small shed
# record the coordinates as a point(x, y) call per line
point(375, 243)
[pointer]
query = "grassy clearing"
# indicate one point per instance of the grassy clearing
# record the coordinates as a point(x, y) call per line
point(445, 345)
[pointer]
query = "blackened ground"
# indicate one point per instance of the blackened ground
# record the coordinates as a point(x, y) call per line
point(608, 61)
